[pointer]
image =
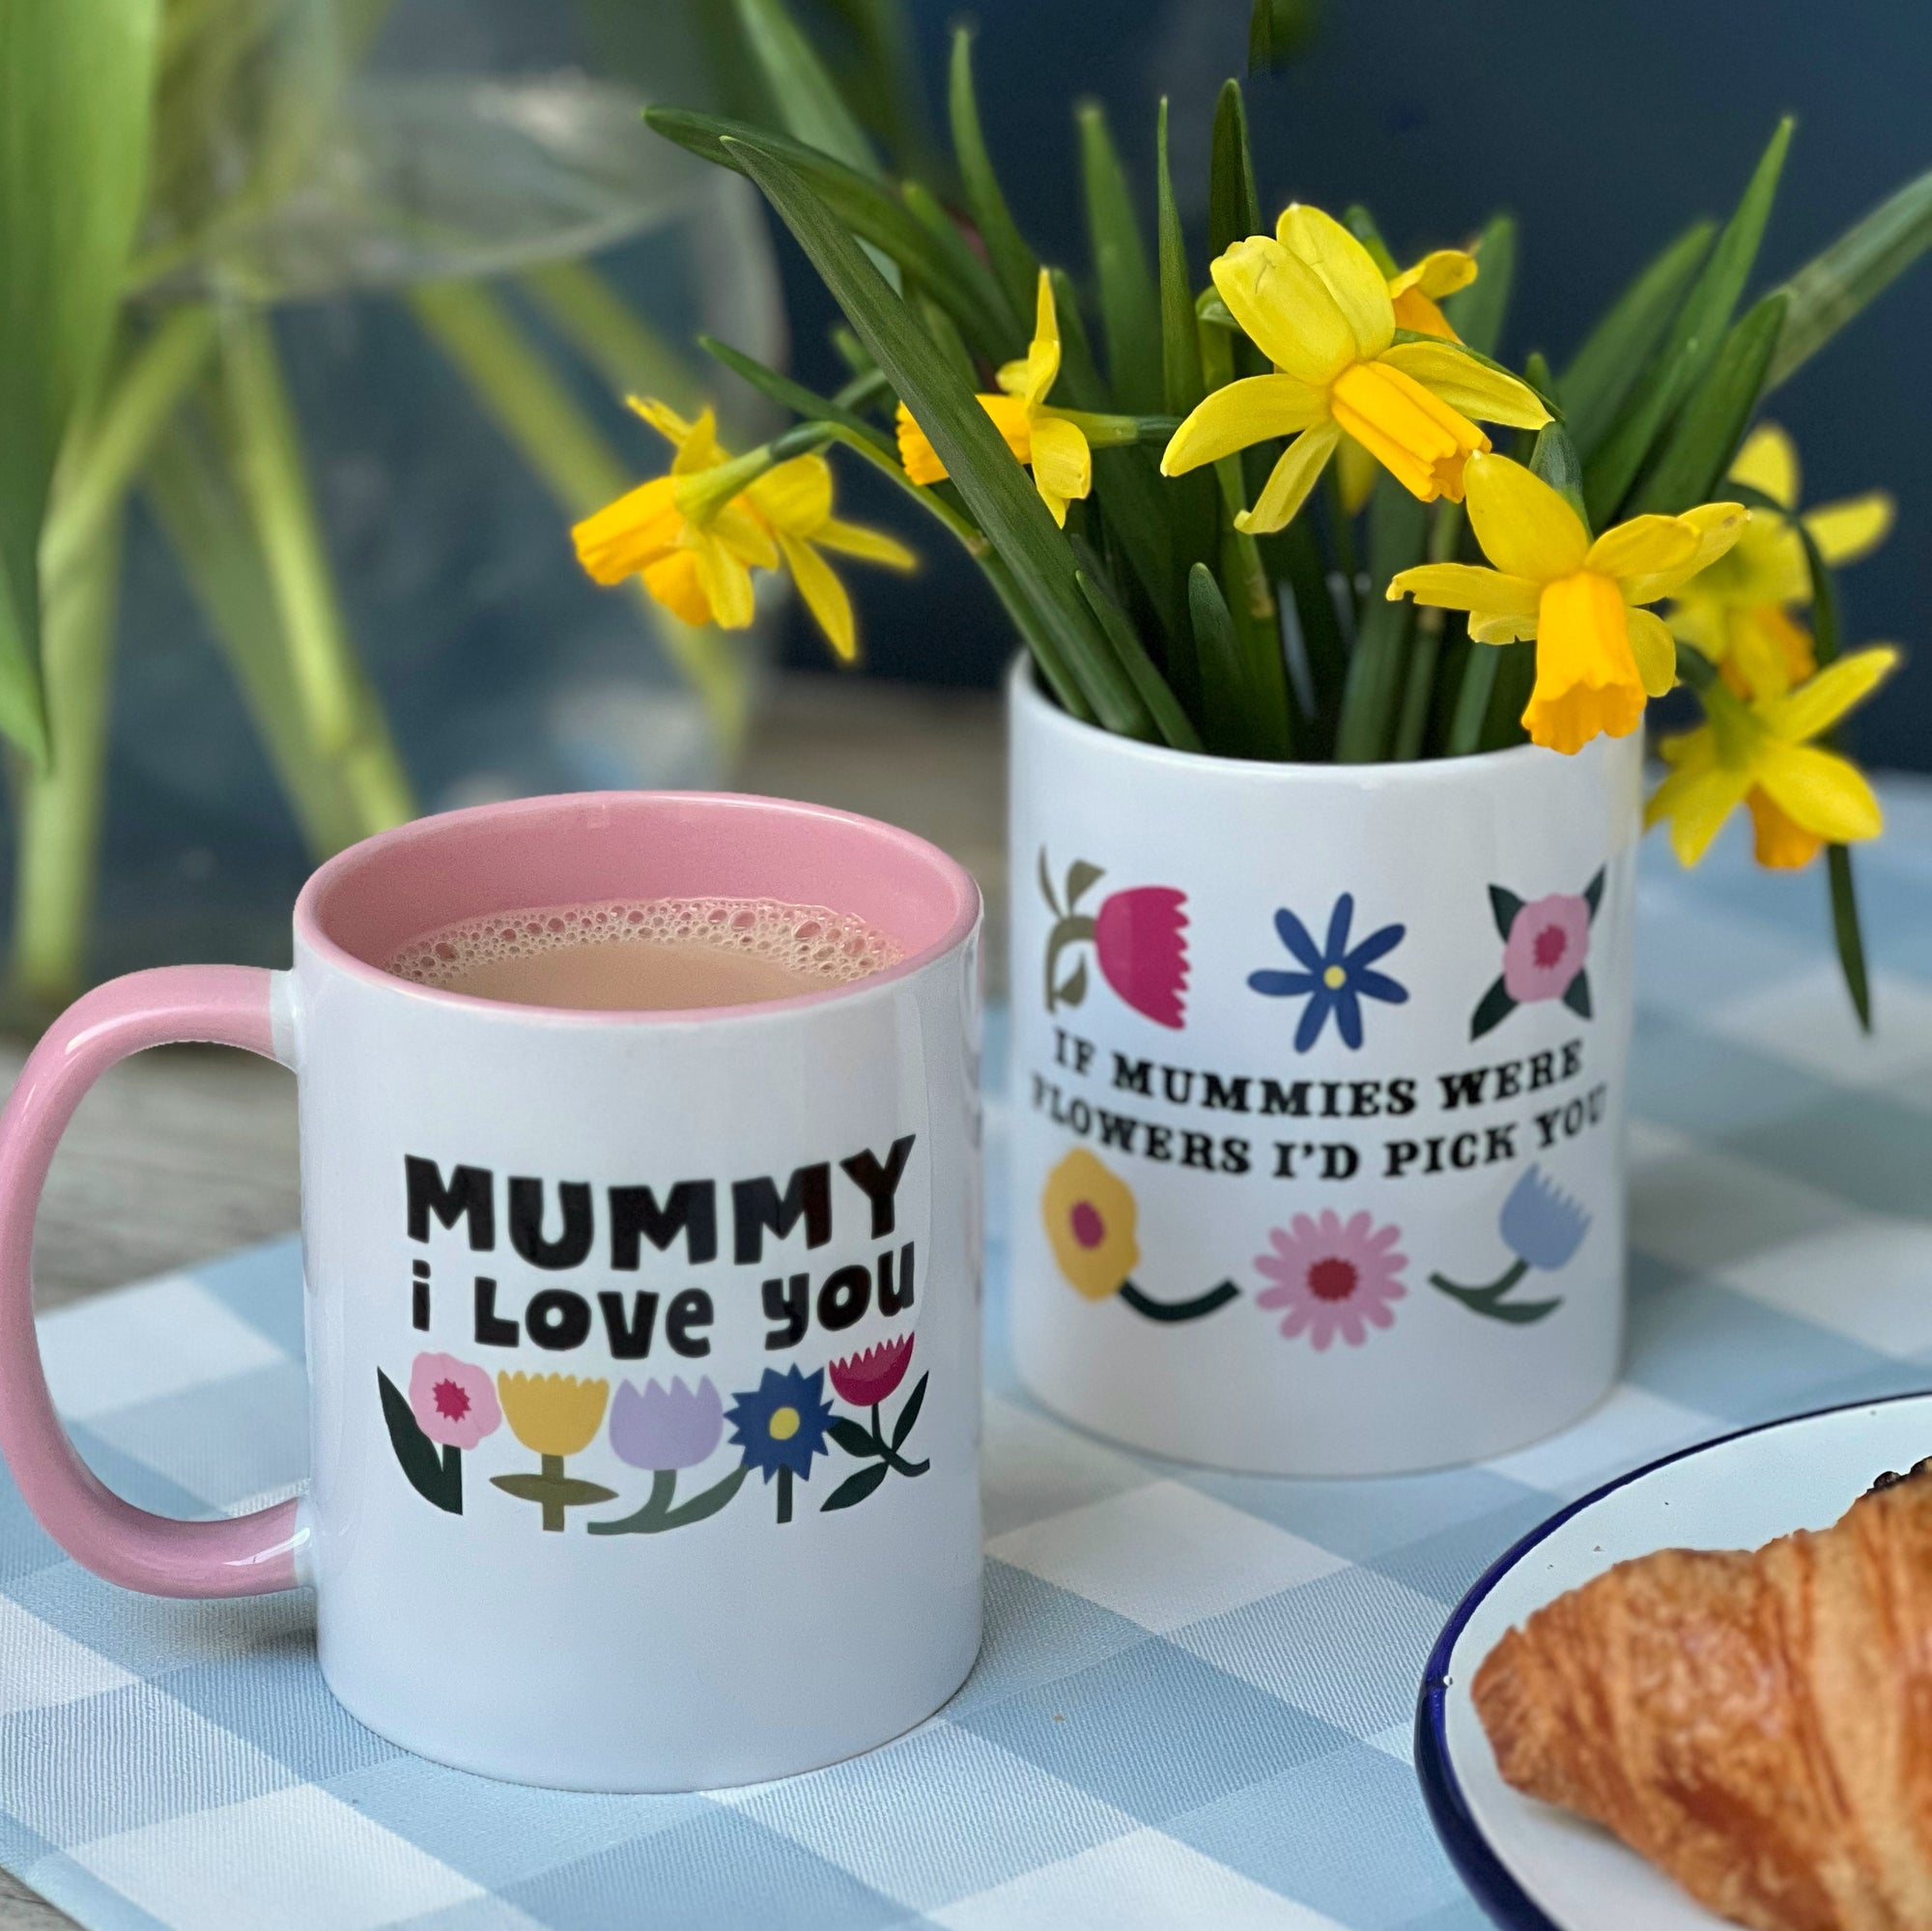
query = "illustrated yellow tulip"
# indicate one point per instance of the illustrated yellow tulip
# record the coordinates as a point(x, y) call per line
point(1738, 611)
point(696, 535)
point(1055, 449)
point(1758, 753)
point(795, 500)
point(1599, 654)
point(1315, 303)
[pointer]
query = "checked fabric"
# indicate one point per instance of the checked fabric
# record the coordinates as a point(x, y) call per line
point(1195, 1699)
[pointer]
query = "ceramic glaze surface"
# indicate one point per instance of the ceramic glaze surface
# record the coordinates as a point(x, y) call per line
point(1319, 1090)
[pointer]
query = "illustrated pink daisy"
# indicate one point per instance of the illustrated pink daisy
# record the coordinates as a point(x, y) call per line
point(1546, 947)
point(453, 1403)
point(1333, 1277)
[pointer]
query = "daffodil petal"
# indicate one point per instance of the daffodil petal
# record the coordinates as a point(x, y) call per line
point(701, 448)
point(665, 420)
point(1013, 418)
point(1777, 843)
point(1501, 630)
point(1587, 683)
point(1467, 587)
point(1347, 268)
point(745, 534)
point(1440, 272)
point(673, 581)
point(1646, 546)
point(1525, 528)
point(1238, 414)
point(1845, 531)
point(796, 497)
point(624, 536)
point(726, 581)
point(1716, 527)
point(1288, 486)
point(1655, 650)
point(1044, 351)
point(1420, 316)
point(1768, 462)
point(870, 545)
point(1696, 799)
point(1815, 706)
point(1063, 465)
point(917, 456)
point(1468, 385)
point(1286, 309)
point(1823, 793)
point(824, 596)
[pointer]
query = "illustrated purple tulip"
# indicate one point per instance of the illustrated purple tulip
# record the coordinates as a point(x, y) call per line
point(663, 1427)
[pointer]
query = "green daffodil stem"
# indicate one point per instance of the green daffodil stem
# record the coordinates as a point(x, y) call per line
point(1115, 432)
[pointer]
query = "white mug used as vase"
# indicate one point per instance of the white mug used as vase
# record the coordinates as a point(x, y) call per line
point(1317, 1096)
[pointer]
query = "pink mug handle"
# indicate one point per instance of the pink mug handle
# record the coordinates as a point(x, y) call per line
point(245, 1555)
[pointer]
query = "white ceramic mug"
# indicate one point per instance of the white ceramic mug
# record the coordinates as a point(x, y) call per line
point(643, 1346)
point(1317, 1096)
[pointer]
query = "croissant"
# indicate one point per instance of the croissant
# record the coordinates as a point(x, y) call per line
point(1759, 1725)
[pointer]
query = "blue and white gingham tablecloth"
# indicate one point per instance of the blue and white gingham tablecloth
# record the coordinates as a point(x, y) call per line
point(1194, 1704)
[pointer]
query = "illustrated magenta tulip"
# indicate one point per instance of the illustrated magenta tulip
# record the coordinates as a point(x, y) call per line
point(1139, 940)
point(871, 1377)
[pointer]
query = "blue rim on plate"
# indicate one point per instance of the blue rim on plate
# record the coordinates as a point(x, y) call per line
point(1489, 1879)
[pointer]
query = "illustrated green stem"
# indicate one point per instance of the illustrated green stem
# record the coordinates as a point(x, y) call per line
point(1072, 930)
point(1489, 1300)
point(890, 1455)
point(661, 1510)
point(552, 1505)
point(784, 1495)
point(1172, 1311)
point(452, 1474)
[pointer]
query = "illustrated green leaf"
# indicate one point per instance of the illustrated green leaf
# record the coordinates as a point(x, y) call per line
point(1182, 385)
point(1494, 1006)
point(1079, 876)
point(1577, 995)
point(1706, 434)
point(1476, 313)
point(909, 1414)
point(1013, 262)
point(1072, 989)
point(1604, 371)
point(1234, 208)
point(1504, 905)
point(855, 1488)
point(805, 95)
point(1072, 650)
point(76, 83)
point(563, 1491)
point(851, 1437)
point(1830, 288)
point(1693, 343)
point(435, 1477)
point(1593, 893)
point(868, 211)
point(1130, 312)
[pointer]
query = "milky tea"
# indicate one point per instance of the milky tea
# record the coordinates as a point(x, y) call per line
point(649, 954)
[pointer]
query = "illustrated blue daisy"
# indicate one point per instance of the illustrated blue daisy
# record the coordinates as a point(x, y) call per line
point(780, 1425)
point(1336, 978)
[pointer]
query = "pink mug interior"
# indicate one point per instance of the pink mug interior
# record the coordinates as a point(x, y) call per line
point(366, 903)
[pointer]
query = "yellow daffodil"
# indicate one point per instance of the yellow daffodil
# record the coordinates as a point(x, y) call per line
point(1598, 655)
point(1758, 753)
point(795, 501)
point(696, 535)
point(1055, 449)
point(552, 1414)
point(695, 550)
point(1737, 613)
point(1315, 303)
point(1414, 292)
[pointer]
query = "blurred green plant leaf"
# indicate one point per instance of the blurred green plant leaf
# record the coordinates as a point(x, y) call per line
point(804, 93)
point(1705, 437)
point(76, 85)
point(1611, 360)
point(1012, 260)
point(1234, 208)
point(1130, 311)
point(1693, 343)
point(1277, 31)
point(1361, 224)
point(1074, 654)
point(1830, 288)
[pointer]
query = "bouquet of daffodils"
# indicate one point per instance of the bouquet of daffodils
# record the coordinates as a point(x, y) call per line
point(1295, 507)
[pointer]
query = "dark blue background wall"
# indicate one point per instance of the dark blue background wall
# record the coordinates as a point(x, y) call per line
point(1605, 127)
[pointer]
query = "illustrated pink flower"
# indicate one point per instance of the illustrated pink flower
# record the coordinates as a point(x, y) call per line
point(867, 1378)
point(453, 1403)
point(1142, 953)
point(1549, 941)
point(1333, 1277)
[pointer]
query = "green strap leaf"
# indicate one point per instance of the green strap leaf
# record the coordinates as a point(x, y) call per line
point(1693, 343)
point(872, 212)
point(1013, 262)
point(1397, 529)
point(1607, 366)
point(1240, 720)
point(1705, 437)
point(1130, 312)
point(1830, 288)
point(77, 82)
point(1234, 208)
point(1476, 313)
point(1181, 384)
point(1173, 722)
point(1553, 458)
point(806, 97)
point(1072, 650)
point(794, 397)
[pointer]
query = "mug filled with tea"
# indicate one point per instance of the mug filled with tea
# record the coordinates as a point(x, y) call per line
point(641, 1193)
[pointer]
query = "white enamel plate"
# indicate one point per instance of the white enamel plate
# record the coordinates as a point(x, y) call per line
point(1536, 1868)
